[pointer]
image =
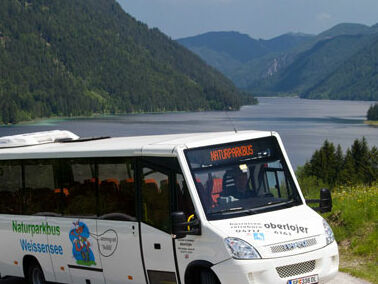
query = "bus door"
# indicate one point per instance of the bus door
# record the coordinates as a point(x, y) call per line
point(157, 244)
point(76, 259)
point(117, 226)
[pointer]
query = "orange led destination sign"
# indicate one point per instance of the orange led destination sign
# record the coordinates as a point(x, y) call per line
point(231, 153)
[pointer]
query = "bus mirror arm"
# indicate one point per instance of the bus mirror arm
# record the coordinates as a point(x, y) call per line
point(325, 201)
point(181, 228)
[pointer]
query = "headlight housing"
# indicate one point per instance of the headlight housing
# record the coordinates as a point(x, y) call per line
point(240, 249)
point(330, 238)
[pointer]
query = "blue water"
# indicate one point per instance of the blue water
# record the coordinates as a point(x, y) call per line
point(302, 124)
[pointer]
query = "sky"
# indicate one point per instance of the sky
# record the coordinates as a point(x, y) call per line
point(257, 18)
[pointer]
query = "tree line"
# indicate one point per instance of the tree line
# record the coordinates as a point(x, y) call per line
point(359, 164)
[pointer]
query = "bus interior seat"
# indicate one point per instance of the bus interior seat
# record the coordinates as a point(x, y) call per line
point(204, 196)
point(43, 195)
point(82, 197)
point(216, 190)
point(111, 181)
point(156, 201)
point(127, 196)
point(150, 192)
point(109, 196)
point(7, 202)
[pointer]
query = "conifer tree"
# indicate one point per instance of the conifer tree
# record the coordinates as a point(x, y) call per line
point(339, 157)
point(372, 113)
point(348, 175)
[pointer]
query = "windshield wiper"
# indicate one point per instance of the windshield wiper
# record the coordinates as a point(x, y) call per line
point(255, 210)
point(278, 202)
point(275, 204)
point(235, 209)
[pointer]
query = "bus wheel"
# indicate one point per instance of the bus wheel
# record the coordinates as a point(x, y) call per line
point(208, 277)
point(35, 274)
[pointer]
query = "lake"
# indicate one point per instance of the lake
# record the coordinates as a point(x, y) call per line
point(302, 124)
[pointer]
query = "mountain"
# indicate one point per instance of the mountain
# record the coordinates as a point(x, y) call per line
point(78, 57)
point(313, 65)
point(311, 72)
point(240, 57)
point(346, 29)
point(236, 45)
point(354, 79)
point(242, 47)
point(287, 64)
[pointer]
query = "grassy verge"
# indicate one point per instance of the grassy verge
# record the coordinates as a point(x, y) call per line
point(371, 122)
point(354, 220)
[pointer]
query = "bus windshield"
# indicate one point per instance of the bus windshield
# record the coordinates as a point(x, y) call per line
point(242, 178)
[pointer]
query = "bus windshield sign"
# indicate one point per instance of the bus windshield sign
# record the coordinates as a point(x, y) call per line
point(231, 153)
point(227, 153)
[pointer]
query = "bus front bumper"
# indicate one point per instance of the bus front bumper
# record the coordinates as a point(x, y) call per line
point(322, 263)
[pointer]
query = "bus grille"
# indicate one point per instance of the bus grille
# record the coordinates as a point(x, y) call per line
point(296, 269)
point(292, 246)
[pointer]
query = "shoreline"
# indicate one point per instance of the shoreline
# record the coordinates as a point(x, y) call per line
point(373, 123)
point(46, 120)
point(41, 120)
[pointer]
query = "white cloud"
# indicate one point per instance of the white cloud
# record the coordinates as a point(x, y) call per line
point(323, 17)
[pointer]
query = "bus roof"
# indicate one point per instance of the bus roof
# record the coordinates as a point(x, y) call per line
point(154, 145)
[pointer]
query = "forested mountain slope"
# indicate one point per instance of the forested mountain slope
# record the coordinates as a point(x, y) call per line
point(78, 57)
point(314, 65)
point(295, 64)
point(242, 58)
point(355, 79)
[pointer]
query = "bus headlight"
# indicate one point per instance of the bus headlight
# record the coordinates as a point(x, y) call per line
point(328, 232)
point(240, 249)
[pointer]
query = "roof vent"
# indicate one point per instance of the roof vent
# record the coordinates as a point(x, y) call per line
point(36, 138)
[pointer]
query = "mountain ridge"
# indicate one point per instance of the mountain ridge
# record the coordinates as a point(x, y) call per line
point(298, 68)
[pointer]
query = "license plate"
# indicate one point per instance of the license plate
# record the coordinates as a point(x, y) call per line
point(305, 280)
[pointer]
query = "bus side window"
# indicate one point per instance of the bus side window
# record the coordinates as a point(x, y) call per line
point(277, 182)
point(10, 188)
point(183, 199)
point(117, 187)
point(155, 199)
point(81, 191)
point(41, 194)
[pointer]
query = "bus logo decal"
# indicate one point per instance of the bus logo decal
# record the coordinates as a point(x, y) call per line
point(107, 242)
point(259, 236)
point(81, 244)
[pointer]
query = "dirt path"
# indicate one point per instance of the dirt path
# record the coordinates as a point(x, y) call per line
point(347, 279)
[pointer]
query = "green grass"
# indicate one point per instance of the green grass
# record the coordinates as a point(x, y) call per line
point(371, 122)
point(354, 220)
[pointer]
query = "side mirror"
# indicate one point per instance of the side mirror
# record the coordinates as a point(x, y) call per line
point(325, 201)
point(181, 228)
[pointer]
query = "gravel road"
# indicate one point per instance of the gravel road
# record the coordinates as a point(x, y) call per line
point(340, 278)
point(347, 279)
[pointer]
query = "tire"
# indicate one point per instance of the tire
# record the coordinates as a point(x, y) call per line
point(35, 274)
point(208, 277)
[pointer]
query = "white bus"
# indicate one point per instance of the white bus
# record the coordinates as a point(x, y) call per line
point(203, 208)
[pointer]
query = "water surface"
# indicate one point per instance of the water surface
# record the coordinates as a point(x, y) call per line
point(302, 124)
